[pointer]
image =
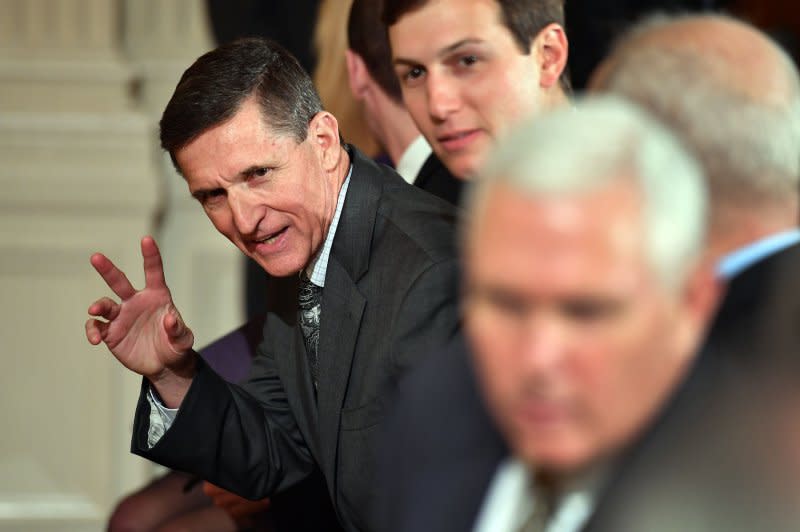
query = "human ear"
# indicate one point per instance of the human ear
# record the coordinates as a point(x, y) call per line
point(551, 48)
point(356, 74)
point(323, 133)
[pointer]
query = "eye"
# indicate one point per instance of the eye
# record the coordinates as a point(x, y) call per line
point(259, 171)
point(411, 76)
point(590, 310)
point(468, 60)
point(211, 198)
point(504, 303)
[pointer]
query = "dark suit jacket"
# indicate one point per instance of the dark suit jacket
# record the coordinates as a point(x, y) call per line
point(389, 298)
point(434, 177)
point(440, 448)
point(709, 461)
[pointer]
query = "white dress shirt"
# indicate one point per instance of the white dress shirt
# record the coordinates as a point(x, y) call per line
point(509, 501)
point(410, 163)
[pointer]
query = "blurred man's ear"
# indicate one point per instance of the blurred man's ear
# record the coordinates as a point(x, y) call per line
point(323, 134)
point(357, 74)
point(552, 49)
point(701, 296)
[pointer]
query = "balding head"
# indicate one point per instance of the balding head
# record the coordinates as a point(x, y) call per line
point(733, 97)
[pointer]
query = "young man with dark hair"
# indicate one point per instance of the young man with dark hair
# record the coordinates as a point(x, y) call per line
point(374, 83)
point(471, 70)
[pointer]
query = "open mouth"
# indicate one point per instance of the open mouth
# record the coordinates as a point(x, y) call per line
point(271, 239)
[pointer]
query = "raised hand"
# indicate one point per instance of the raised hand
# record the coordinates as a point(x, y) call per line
point(144, 329)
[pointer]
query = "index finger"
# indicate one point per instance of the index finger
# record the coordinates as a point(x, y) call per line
point(113, 276)
point(153, 266)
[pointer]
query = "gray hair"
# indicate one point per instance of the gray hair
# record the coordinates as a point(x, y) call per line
point(748, 141)
point(602, 141)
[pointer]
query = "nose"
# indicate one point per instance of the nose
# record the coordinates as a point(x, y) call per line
point(543, 344)
point(443, 98)
point(245, 210)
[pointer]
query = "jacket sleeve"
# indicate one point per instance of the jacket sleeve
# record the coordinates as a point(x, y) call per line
point(243, 440)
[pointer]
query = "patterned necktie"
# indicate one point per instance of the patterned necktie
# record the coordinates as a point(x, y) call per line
point(310, 299)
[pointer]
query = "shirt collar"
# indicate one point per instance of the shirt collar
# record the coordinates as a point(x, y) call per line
point(410, 163)
point(508, 500)
point(318, 267)
point(739, 260)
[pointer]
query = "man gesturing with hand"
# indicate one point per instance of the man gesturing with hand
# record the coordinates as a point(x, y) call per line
point(371, 269)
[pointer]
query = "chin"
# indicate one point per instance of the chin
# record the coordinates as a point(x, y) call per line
point(280, 268)
point(560, 454)
point(464, 167)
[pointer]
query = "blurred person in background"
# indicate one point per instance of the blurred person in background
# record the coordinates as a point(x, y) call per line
point(733, 97)
point(331, 79)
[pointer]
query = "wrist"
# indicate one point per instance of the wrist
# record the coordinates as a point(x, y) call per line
point(173, 382)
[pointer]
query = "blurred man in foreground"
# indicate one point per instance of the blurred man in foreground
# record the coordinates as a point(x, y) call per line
point(584, 301)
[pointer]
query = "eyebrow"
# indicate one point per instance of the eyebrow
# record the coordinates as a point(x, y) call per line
point(247, 172)
point(443, 52)
point(198, 194)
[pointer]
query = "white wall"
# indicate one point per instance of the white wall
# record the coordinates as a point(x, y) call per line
point(82, 84)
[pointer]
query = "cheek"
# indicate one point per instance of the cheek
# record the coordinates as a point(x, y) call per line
point(417, 104)
point(222, 221)
point(493, 354)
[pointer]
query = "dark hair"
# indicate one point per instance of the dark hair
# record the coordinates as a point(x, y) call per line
point(367, 37)
point(523, 18)
point(211, 91)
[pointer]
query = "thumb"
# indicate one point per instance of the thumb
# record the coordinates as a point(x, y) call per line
point(180, 336)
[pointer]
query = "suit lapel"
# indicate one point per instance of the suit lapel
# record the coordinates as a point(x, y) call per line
point(342, 303)
point(343, 307)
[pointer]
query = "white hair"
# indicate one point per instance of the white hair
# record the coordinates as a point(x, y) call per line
point(748, 141)
point(598, 143)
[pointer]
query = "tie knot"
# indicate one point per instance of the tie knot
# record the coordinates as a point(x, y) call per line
point(309, 294)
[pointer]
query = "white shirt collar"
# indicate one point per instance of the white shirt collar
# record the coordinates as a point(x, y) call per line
point(318, 267)
point(508, 501)
point(740, 259)
point(410, 163)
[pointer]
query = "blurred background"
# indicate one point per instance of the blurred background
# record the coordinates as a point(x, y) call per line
point(82, 86)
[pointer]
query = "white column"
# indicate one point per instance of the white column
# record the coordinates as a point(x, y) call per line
point(77, 176)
